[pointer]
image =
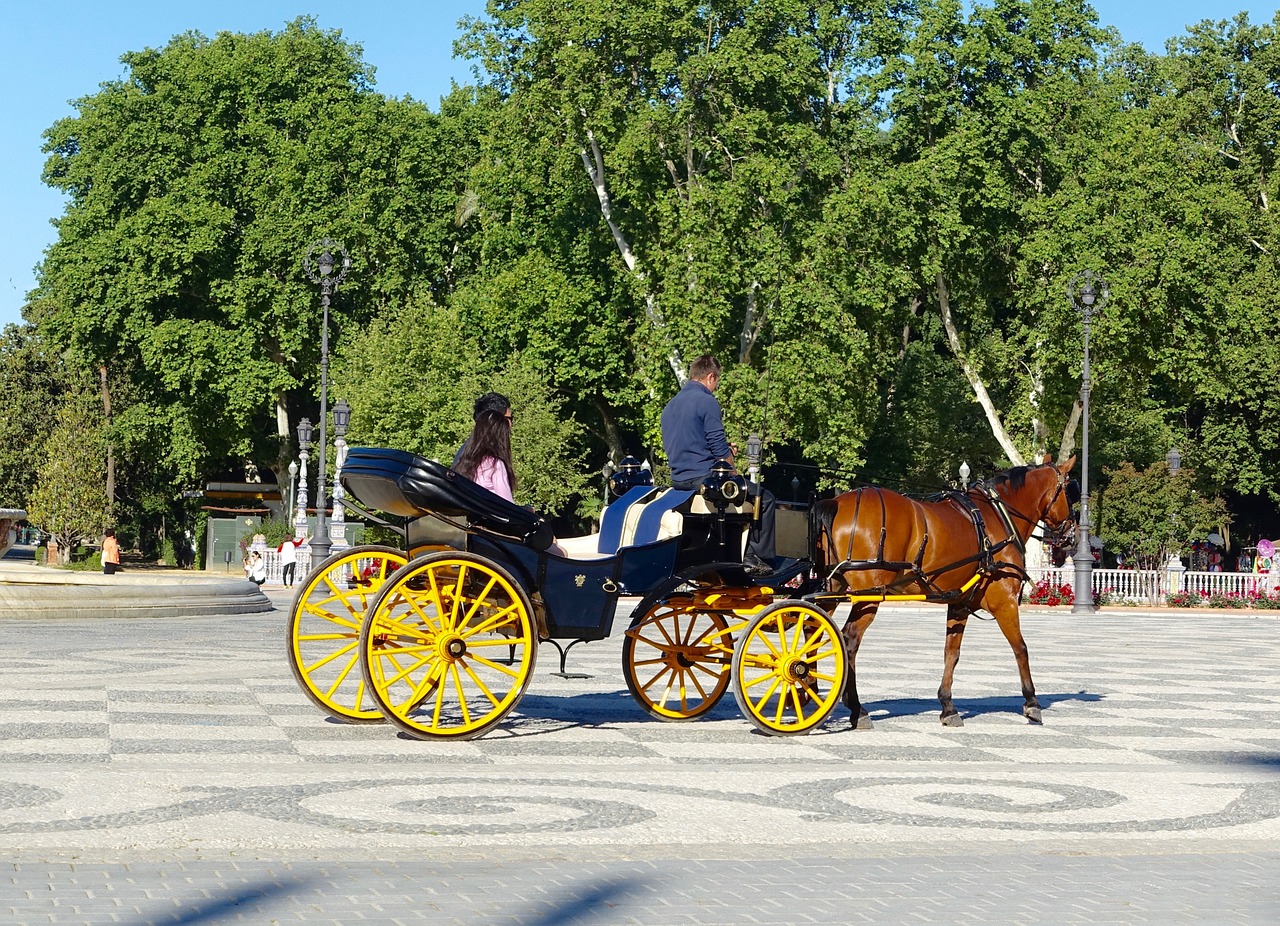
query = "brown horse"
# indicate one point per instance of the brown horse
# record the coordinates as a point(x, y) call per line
point(966, 550)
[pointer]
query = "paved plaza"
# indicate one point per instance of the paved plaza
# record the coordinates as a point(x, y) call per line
point(170, 771)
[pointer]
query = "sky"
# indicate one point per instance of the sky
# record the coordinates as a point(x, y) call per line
point(61, 50)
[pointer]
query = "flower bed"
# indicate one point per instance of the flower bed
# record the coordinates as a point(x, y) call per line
point(1051, 593)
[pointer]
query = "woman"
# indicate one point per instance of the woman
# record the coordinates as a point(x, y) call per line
point(486, 457)
point(256, 568)
point(110, 552)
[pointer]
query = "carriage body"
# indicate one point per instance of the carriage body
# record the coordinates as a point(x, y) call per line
point(440, 635)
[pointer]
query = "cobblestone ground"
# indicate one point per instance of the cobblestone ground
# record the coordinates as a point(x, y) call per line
point(170, 771)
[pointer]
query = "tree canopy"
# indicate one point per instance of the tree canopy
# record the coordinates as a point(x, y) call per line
point(870, 212)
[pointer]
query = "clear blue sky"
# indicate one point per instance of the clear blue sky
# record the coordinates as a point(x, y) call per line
point(60, 50)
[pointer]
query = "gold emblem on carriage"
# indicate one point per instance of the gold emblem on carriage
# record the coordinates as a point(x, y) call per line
point(579, 580)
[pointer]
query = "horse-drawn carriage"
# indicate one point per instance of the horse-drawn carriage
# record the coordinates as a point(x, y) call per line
point(440, 635)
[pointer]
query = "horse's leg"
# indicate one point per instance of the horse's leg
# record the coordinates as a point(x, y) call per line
point(957, 617)
point(1006, 615)
point(860, 619)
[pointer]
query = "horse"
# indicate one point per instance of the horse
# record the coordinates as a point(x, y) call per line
point(966, 549)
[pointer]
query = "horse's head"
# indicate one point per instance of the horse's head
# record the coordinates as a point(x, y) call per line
point(1059, 500)
point(1042, 493)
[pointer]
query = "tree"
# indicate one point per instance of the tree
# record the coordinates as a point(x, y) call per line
point(1151, 514)
point(195, 184)
point(701, 140)
point(69, 499)
point(32, 384)
point(412, 377)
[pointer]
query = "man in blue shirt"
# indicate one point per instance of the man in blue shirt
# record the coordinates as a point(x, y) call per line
point(693, 438)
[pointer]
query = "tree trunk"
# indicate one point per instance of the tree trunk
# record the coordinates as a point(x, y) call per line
point(1068, 444)
point(979, 387)
point(610, 433)
point(593, 161)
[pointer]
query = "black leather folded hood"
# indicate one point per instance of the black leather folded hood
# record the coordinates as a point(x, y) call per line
point(411, 486)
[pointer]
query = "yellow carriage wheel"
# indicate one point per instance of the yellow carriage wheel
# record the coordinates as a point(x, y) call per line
point(448, 647)
point(324, 629)
point(676, 656)
point(789, 668)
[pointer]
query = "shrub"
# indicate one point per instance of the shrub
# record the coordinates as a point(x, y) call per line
point(1226, 600)
point(1046, 592)
point(1187, 599)
point(1264, 600)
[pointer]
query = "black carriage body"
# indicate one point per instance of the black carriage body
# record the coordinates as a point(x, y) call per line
point(438, 507)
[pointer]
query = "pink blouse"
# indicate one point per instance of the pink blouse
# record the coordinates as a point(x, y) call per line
point(493, 476)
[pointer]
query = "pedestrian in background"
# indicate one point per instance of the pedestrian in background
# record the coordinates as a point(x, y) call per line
point(110, 552)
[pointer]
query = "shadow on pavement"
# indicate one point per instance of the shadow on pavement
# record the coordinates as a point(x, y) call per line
point(229, 908)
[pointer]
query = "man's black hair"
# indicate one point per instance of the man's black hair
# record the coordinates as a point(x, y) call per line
point(491, 402)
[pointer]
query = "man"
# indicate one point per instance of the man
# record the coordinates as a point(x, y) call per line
point(693, 438)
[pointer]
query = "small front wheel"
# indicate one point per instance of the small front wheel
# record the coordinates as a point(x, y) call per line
point(676, 657)
point(789, 668)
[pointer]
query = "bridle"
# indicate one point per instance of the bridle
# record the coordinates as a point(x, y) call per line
point(1054, 534)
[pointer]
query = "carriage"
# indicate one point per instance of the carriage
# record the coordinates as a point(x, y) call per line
point(440, 635)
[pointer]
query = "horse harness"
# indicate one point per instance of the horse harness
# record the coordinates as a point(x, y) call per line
point(988, 567)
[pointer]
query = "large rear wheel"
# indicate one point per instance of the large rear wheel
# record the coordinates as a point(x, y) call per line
point(323, 632)
point(676, 655)
point(789, 668)
point(448, 647)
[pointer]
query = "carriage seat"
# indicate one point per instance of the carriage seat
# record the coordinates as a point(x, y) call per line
point(411, 486)
point(617, 527)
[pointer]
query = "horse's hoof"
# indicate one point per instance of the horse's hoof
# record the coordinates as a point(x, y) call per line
point(1032, 714)
point(861, 722)
point(952, 720)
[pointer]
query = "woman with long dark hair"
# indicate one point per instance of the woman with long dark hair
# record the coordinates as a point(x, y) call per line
point(486, 457)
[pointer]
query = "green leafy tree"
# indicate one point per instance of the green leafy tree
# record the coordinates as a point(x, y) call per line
point(194, 185)
point(69, 499)
point(1152, 513)
point(32, 384)
point(675, 157)
point(412, 378)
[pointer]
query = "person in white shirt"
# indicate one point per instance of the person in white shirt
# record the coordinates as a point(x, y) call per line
point(289, 558)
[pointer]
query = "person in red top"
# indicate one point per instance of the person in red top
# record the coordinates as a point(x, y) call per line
point(110, 553)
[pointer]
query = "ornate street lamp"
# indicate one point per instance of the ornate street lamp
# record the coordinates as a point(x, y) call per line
point(304, 446)
point(322, 269)
point(1088, 294)
point(341, 418)
point(1174, 459)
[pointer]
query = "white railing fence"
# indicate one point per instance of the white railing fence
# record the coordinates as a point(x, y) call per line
point(1152, 586)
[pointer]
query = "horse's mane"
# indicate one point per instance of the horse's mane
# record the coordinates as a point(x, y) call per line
point(1017, 477)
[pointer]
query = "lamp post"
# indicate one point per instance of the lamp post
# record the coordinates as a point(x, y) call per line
point(964, 476)
point(293, 484)
point(1174, 459)
point(1088, 294)
point(321, 269)
point(300, 527)
point(341, 418)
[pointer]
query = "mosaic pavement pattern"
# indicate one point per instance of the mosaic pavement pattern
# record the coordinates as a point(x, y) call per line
point(148, 735)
